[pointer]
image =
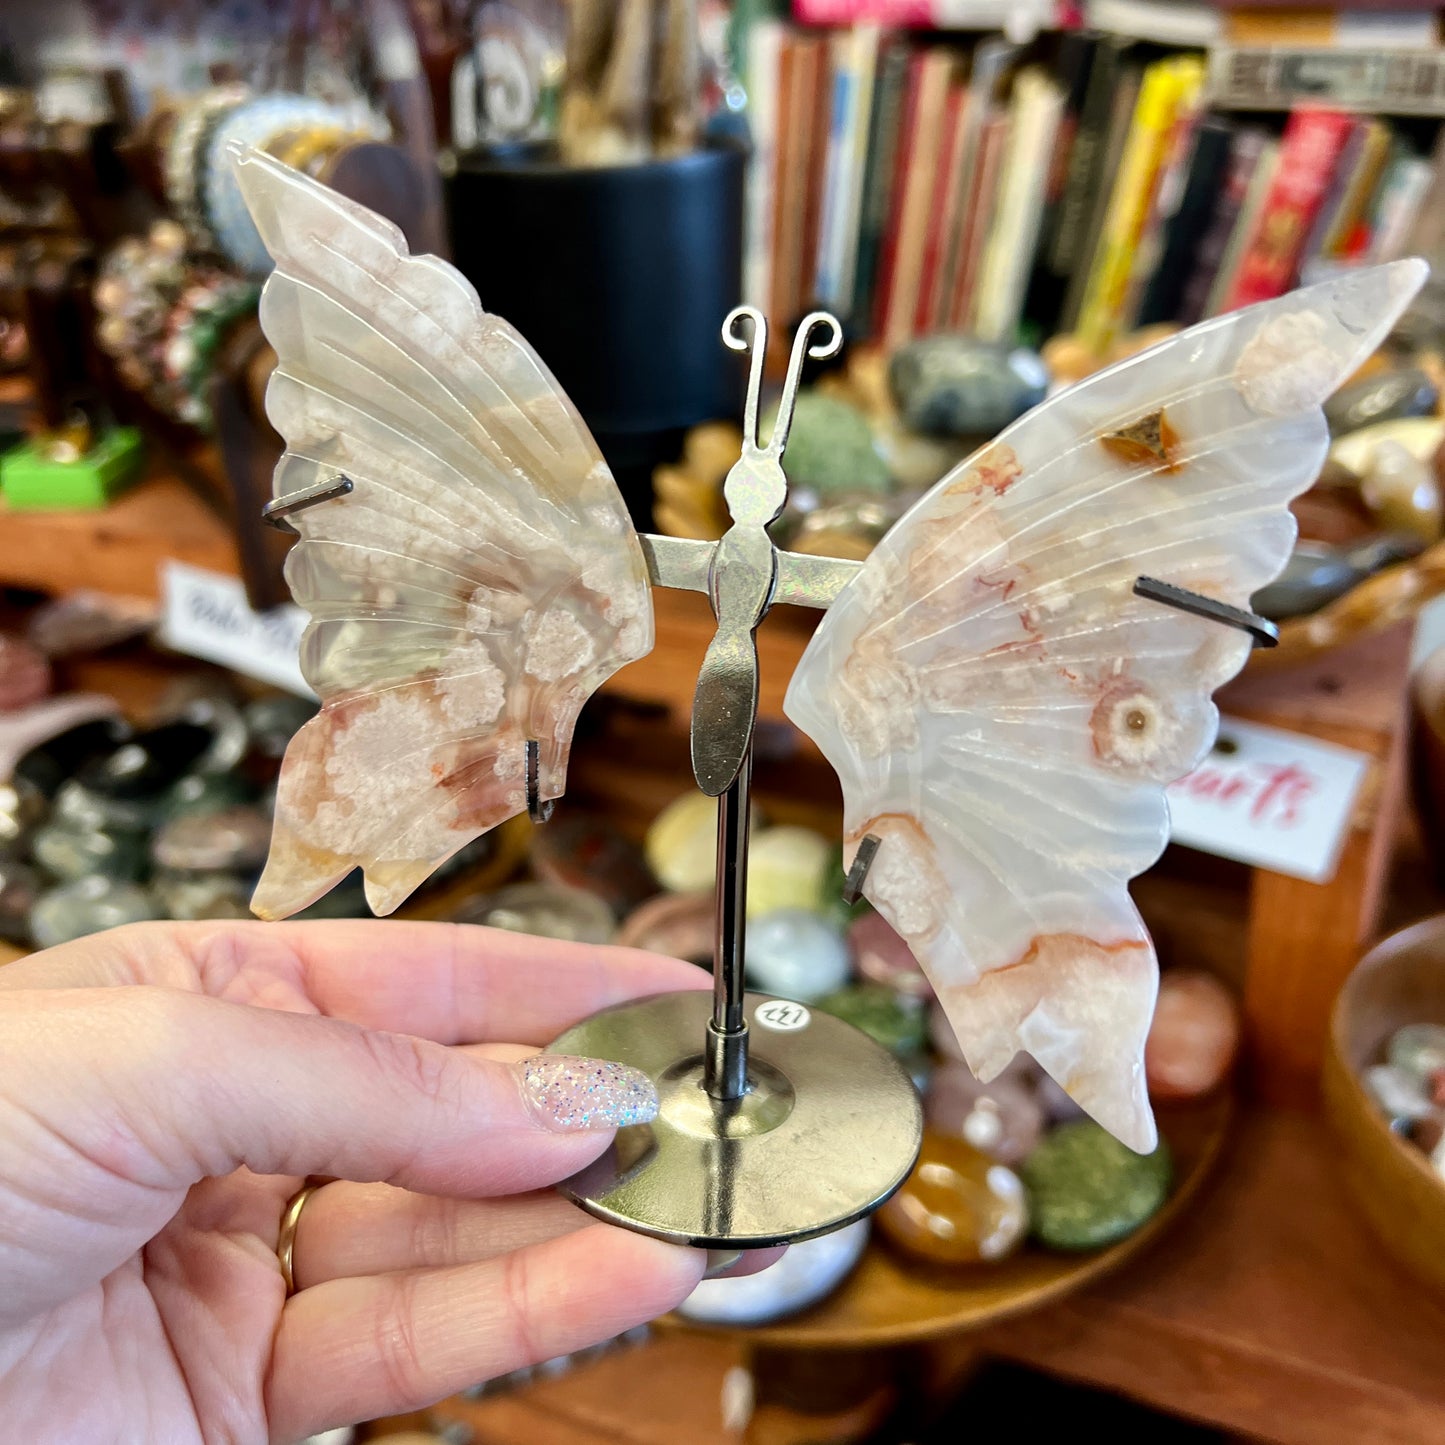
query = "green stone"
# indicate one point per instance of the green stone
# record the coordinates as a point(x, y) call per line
point(66, 852)
point(1087, 1189)
point(830, 447)
point(900, 1024)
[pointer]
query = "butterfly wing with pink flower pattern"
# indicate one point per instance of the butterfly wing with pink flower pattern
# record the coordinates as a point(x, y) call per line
point(479, 582)
point(1005, 713)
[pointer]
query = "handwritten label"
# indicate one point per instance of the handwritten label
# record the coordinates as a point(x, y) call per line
point(783, 1016)
point(1271, 798)
point(205, 614)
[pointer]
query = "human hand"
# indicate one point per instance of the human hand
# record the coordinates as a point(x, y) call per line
point(166, 1088)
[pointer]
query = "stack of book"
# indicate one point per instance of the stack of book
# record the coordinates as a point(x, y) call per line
point(1078, 183)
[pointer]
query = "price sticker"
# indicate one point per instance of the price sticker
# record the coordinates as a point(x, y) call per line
point(783, 1016)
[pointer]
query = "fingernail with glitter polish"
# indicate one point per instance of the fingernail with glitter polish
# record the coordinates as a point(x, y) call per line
point(569, 1093)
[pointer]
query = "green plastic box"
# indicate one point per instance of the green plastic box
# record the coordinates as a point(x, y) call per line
point(31, 481)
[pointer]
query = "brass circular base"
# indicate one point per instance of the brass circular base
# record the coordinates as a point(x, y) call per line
point(831, 1125)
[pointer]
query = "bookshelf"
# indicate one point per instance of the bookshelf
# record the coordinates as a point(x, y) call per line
point(1049, 179)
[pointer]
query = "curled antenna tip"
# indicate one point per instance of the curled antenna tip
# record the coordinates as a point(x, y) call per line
point(822, 350)
point(732, 337)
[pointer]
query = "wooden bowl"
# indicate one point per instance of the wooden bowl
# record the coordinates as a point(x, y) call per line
point(1400, 981)
point(889, 1300)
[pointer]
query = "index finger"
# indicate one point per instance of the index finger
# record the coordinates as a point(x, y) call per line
point(451, 982)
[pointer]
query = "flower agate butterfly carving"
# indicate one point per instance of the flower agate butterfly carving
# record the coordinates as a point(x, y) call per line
point(1003, 709)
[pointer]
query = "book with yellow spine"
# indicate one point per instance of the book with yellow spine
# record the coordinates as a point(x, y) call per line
point(1167, 87)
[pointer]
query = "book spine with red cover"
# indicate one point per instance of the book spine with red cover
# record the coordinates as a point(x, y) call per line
point(1314, 139)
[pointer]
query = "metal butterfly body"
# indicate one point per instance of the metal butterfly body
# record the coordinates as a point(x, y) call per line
point(1003, 711)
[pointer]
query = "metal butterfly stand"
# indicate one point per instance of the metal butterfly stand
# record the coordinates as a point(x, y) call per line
point(775, 1123)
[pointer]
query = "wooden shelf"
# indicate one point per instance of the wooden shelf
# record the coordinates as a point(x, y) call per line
point(1269, 1310)
point(119, 548)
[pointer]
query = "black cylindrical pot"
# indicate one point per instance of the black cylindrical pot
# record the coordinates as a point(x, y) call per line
point(620, 277)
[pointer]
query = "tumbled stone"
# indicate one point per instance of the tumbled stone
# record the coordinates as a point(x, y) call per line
point(894, 1020)
point(1194, 1037)
point(1401, 491)
point(586, 852)
point(20, 886)
point(273, 721)
point(87, 905)
point(203, 793)
point(50, 763)
point(149, 763)
point(963, 387)
point(190, 896)
point(231, 840)
point(1400, 1095)
point(958, 1206)
point(883, 957)
point(830, 447)
point(71, 852)
point(21, 809)
point(787, 867)
point(808, 1272)
point(680, 925)
point(1003, 1118)
point(795, 954)
point(1417, 1049)
point(24, 674)
point(546, 911)
point(1087, 1190)
point(1389, 394)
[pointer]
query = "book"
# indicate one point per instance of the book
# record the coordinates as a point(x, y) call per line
point(1342, 231)
point(1402, 193)
point(1244, 226)
point(817, 79)
point(919, 171)
point(1168, 189)
point(866, 39)
point(884, 127)
point(1186, 226)
point(1161, 22)
point(991, 60)
point(764, 45)
point(787, 187)
point(1166, 85)
point(1344, 29)
point(1048, 280)
point(944, 208)
point(1427, 238)
point(1033, 124)
point(964, 304)
point(843, 103)
point(1119, 100)
point(1309, 152)
point(1246, 145)
point(883, 285)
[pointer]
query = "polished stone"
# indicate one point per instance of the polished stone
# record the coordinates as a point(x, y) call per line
point(959, 1206)
point(149, 763)
point(1401, 491)
point(203, 793)
point(273, 721)
point(807, 1273)
point(187, 895)
point(21, 809)
point(1089, 1190)
point(1194, 1037)
point(20, 886)
point(78, 807)
point(963, 387)
point(1389, 394)
point(795, 954)
point(87, 905)
point(545, 910)
point(679, 925)
point(830, 448)
point(1417, 1049)
point(232, 840)
point(1003, 1118)
point(787, 868)
point(578, 851)
point(883, 957)
point(67, 852)
point(894, 1020)
point(24, 674)
point(50, 763)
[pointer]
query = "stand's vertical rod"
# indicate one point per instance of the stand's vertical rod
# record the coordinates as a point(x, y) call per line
point(726, 1059)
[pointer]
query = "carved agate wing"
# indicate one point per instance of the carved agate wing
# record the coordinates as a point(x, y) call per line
point(1004, 712)
point(479, 581)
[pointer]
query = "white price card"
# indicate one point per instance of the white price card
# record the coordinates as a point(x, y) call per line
point(1271, 798)
point(205, 614)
